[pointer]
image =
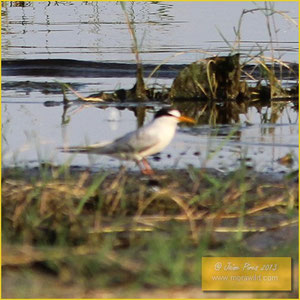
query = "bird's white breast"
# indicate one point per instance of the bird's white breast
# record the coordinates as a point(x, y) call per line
point(162, 130)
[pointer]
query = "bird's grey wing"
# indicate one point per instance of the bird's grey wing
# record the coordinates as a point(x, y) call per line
point(135, 142)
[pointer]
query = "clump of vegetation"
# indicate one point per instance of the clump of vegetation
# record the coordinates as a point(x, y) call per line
point(215, 78)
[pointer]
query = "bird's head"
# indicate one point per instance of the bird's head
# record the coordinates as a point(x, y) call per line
point(174, 114)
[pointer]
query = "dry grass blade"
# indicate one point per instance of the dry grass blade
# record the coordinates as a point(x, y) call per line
point(189, 215)
point(226, 229)
point(287, 17)
point(88, 99)
point(274, 201)
point(118, 229)
point(271, 59)
point(151, 220)
point(132, 34)
point(175, 198)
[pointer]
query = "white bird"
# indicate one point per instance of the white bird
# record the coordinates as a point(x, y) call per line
point(137, 145)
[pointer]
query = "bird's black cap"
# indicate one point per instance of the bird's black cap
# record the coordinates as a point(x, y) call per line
point(164, 112)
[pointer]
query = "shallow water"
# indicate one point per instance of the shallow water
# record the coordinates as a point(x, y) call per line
point(97, 31)
point(32, 132)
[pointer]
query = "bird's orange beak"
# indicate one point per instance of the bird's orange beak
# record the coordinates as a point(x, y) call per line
point(186, 119)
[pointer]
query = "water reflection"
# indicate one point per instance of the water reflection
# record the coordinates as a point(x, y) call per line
point(31, 134)
point(94, 30)
point(210, 113)
point(97, 31)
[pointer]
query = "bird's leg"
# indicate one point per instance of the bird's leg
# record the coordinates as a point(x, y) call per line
point(145, 167)
point(148, 170)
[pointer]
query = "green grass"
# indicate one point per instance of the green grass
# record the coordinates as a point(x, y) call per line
point(106, 230)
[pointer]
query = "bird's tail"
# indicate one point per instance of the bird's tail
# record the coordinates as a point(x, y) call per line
point(96, 148)
point(78, 149)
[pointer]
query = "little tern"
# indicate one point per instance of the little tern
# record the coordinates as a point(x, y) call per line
point(137, 145)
